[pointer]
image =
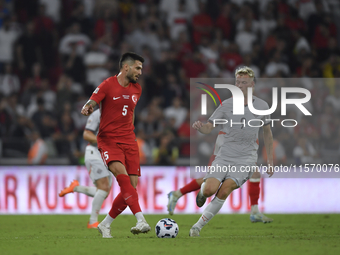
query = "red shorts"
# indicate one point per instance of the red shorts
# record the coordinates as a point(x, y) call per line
point(127, 154)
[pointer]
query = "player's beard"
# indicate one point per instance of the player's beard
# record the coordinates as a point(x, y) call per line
point(130, 78)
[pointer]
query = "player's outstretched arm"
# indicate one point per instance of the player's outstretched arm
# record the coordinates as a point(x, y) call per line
point(268, 142)
point(88, 108)
point(203, 128)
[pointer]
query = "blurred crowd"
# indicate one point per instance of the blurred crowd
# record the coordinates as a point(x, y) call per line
point(54, 53)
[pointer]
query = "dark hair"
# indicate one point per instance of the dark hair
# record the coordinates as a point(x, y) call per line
point(130, 56)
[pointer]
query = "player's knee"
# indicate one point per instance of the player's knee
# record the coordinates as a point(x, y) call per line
point(103, 184)
point(208, 191)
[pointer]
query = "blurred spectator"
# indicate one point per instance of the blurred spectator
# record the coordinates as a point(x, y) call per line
point(78, 16)
point(7, 38)
point(194, 66)
point(183, 133)
point(107, 25)
point(9, 82)
point(144, 149)
point(53, 8)
point(37, 154)
point(74, 39)
point(44, 120)
point(267, 22)
point(67, 90)
point(149, 122)
point(276, 66)
point(210, 54)
point(166, 153)
point(279, 154)
point(13, 108)
point(334, 100)
point(304, 152)
point(45, 29)
point(202, 24)
point(5, 118)
point(28, 50)
point(173, 89)
point(245, 38)
point(95, 62)
point(65, 137)
point(4, 11)
point(178, 20)
point(224, 21)
point(232, 57)
point(46, 94)
point(176, 111)
point(169, 6)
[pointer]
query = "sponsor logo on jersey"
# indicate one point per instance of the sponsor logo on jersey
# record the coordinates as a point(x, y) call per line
point(134, 99)
point(96, 91)
point(115, 98)
point(126, 96)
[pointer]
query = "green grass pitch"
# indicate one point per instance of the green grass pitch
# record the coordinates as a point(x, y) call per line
point(225, 234)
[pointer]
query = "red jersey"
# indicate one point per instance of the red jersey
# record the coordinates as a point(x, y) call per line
point(117, 104)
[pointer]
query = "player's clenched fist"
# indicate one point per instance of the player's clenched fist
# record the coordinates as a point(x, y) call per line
point(87, 110)
point(197, 125)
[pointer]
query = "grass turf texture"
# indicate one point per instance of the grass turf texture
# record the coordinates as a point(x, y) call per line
point(225, 234)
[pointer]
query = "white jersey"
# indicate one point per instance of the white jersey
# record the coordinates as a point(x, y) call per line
point(238, 142)
point(93, 159)
point(92, 124)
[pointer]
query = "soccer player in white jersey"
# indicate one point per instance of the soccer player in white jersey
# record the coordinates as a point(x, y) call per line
point(253, 189)
point(99, 174)
point(238, 151)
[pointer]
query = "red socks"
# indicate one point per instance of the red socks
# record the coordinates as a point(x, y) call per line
point(254, 192)
point(191, 186)
point(118, 206)
point(128, 194)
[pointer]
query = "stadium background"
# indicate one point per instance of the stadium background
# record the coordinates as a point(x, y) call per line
point(53, 54)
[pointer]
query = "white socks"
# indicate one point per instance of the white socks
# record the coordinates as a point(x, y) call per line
point(140, 217)
point(107, 221)
point(97, 202)
point(209, 212)
point(89, 191)
point(98, 199)
point(254, 209)
point(178, 194)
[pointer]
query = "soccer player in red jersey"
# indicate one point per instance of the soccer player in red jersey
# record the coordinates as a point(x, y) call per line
point(117, 97)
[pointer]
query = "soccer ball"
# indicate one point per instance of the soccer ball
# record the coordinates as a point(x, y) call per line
point(166, 228)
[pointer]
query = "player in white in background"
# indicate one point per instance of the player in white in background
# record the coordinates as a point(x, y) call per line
point(253, 189)
point(99, 174)
point(238, 150)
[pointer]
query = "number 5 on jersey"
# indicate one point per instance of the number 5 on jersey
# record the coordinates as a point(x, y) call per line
point(125, 110)
point(106, 155)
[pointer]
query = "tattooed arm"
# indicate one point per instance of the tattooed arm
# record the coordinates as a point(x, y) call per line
point(88, 108)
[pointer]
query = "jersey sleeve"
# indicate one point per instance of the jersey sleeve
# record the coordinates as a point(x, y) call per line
point(93, 120)
point(218, 114)
point(99, 93)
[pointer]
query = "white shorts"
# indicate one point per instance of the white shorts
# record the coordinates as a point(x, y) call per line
point(222, 170)
point(95, 165)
